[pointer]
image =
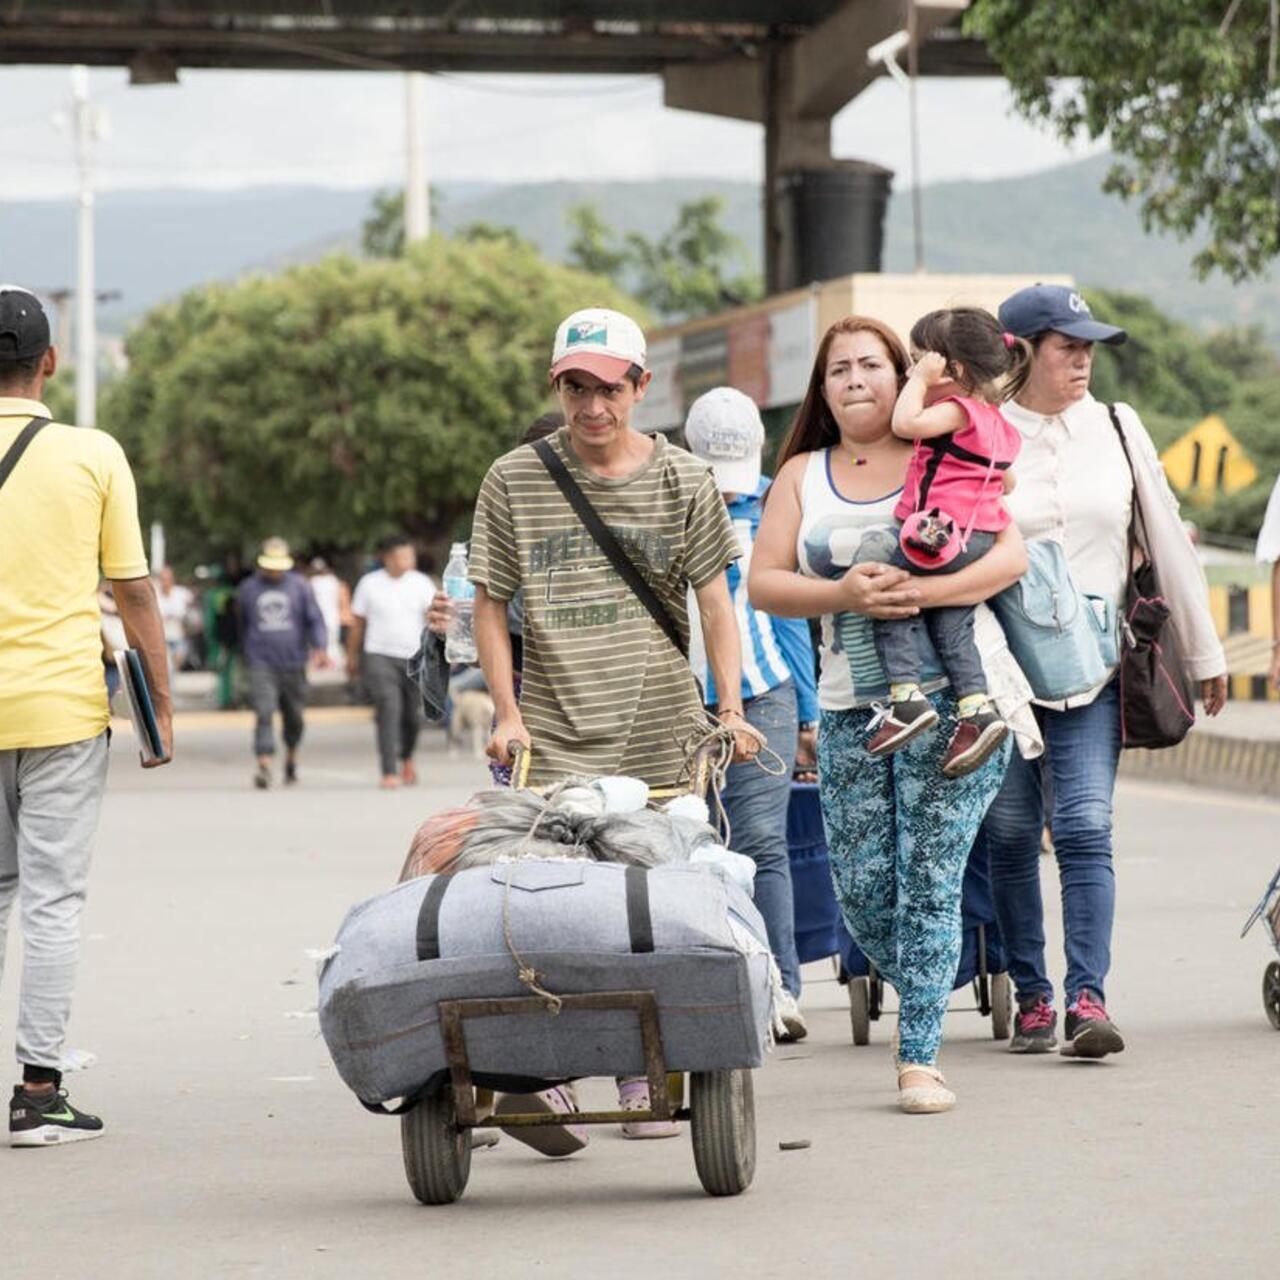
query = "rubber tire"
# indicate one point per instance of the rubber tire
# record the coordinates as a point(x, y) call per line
point(723, 1126)
point(1001, 1006)
point(1271, 993)
point(437, 1154)
point(860, 1009)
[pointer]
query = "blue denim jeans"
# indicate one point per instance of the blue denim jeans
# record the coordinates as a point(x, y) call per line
point(757, 807)
point(1078, 773)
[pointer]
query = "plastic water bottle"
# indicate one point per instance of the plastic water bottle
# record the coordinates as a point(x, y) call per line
point(460, 640)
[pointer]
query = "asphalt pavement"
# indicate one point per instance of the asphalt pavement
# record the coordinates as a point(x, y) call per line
point(234, 1151)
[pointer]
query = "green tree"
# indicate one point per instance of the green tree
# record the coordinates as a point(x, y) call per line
point(1184, 93)
point(1163, 369)
point(593, 246)
point(689, 271)
point(382, 232)
point(340, 400)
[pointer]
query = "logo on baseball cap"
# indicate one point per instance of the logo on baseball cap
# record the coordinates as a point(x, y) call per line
point(24, 327)
point(598, 341)
point(723, 428)
point(1044, 307)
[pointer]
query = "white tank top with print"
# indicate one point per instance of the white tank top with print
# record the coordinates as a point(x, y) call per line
point(835, 533)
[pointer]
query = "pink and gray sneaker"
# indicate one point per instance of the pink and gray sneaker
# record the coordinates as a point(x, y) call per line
point(1034, 1027)
point(1089, 1032)
point(633, 1095)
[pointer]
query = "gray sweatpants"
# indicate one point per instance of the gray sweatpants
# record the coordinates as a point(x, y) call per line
point(270, 689)
point(49, 803)
point(396, 706)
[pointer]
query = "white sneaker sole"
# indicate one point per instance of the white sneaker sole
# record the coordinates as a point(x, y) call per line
point(52, 1135)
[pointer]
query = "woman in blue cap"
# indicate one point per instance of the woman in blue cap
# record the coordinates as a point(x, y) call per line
point(1075, 487)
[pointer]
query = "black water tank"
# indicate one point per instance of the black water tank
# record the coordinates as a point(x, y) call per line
point(832, 221)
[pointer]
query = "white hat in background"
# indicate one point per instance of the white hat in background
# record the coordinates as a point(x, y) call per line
point(605, 343)
point(724, 429)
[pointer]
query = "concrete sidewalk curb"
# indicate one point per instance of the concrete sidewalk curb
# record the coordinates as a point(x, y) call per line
point(1206, 759)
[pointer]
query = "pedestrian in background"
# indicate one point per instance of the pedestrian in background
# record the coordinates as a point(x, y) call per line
point(68, 513)
point(389, 609)
point(779, 691)
point(175, 603)
point(1076, 487)
point(279, 622)
point(1268, 552)
point(334, 598)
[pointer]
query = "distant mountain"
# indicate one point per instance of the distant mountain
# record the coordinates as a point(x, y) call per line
point(153, 245)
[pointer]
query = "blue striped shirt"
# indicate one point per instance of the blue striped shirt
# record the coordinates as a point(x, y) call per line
point(774, 650)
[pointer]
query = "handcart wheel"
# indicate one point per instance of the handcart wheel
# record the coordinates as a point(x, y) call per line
point(1001, 1005)
point(724, 1130)
point(1271, 993)
point(437, 1154)
point(860, 1009)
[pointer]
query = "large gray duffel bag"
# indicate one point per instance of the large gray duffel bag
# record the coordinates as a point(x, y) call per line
point(683, 932)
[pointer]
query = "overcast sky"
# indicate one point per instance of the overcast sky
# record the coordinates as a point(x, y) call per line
point(235, 129)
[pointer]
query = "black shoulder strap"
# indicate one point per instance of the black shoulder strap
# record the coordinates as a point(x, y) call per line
point(609, 544)
point(1136, 517)
point(19, 446)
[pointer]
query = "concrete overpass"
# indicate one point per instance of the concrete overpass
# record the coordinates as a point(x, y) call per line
point(789, 65)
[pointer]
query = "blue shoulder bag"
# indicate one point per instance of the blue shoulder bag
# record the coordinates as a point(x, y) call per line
point(1064, 640)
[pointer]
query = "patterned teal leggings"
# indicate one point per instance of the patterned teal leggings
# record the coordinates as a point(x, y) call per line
point(899, 835)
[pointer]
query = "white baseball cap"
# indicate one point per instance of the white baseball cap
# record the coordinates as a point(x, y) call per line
point(599, 341)
point(724, 428)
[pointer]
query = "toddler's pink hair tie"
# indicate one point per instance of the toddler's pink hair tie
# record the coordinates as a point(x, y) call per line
point(1009, 340)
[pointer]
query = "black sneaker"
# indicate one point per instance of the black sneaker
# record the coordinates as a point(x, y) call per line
point(1089, 1032)
point(901, 722)
point(48, 1119)
point(290, 772)
point(1034, 1027)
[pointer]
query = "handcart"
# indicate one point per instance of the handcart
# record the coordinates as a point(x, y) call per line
point(1268, 908)
point(821, 932)
point(435, 1134)
point(436, 1129)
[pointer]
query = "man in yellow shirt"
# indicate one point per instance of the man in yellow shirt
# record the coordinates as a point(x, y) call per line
point(68, 513)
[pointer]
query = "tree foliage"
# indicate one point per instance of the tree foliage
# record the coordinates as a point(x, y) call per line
point(694, 269)
point(341, 400)
point(1184, 91)
point(382, 232)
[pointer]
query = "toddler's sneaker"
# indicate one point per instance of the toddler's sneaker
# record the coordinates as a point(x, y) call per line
point(633, 1095)
point(899, 722)
point(48, 1120)
point(975, 738)
point(1034, 1027)
point(1089, 1032)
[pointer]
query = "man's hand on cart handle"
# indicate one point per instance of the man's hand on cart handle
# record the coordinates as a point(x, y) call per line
point(505, 733)
point(747, 739)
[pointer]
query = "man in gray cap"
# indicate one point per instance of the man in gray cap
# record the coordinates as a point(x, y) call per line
point(68, 514)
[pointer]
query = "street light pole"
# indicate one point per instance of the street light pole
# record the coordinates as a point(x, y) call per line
point(84, 125)
point(417, 216)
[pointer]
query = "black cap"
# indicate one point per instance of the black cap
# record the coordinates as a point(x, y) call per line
point(24, 327)
point(1044, 307)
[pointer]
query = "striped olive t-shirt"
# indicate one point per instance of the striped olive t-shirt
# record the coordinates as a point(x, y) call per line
point(604, 690)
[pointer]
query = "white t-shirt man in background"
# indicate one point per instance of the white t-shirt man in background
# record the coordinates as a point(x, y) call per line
point(389, 610)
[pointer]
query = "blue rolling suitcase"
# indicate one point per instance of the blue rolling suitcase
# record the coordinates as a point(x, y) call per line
point(820, 931)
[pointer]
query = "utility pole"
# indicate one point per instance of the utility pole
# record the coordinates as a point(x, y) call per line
point(86, 126)
point(913, 76)
point(417, 209)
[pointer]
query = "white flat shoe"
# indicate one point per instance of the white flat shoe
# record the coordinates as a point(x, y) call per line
point(924, 1099)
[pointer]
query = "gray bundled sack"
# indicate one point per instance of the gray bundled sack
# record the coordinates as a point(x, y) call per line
point(686, 933)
